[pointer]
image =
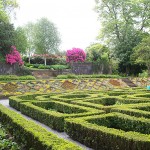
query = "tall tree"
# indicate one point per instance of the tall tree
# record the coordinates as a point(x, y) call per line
point(20, 40)
point(47, 38)
point(7, 33)
point(123, 21)
point(7, 7)
point(142, 53)
point(30, 32)
point(100, 56)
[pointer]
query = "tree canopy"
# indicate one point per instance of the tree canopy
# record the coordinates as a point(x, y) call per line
point(7, 33)
point(46, 38)
point(123, 23)
point(7, 7)
point(142, 52)
point(20, 40)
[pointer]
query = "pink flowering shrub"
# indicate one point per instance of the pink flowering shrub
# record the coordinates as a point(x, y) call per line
point(14, 57)
point(75, 55)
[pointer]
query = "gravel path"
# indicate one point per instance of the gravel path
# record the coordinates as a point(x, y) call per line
point(63, 135)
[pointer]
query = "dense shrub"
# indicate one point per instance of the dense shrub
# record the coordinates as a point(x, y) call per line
point(75, 55)
point(51, 113)
point(73, 76)
point(14, 77)
point(14, 57)
point(110, 131)
point(32, 135)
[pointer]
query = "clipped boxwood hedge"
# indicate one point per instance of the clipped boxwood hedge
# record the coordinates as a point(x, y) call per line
point(73, 76)
point(14, 77)
point(138, 110)
point(31, 134)
point(110, 131)
point(51, 113)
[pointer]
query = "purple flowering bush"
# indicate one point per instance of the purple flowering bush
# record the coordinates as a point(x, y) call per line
point(75, 55)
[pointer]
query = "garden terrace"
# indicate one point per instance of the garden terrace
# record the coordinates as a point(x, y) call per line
point(110, 131)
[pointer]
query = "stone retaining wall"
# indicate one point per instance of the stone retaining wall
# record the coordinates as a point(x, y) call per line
point(47, 73)
point(47, 86)
point(8, 69)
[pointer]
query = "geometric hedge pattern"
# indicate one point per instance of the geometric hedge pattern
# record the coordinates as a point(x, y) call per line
point(109, 120)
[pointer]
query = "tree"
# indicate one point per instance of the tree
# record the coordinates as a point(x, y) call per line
point(7, 7)
point(123, 21)
point(100, 56)
point(21, 40)
point(47, 39)
point(142, 53)
point(7, 33)
point(30, 35)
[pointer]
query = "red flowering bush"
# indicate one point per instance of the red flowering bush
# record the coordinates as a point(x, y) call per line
point(14, 57)
point(75, 55)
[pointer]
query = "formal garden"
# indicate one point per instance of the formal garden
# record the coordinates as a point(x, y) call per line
point(97, 98)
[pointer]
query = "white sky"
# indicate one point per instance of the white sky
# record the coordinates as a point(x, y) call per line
point(75, 19)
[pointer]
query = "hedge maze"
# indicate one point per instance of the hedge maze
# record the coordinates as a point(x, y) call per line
point(102, 120)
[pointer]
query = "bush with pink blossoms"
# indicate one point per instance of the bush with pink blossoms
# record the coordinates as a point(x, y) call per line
point(75, 55)
point(14, 57)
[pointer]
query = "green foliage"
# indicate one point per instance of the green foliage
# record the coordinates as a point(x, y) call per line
point(51, 113)
point(73, 76)
point(6, 141)
point(20, 40)
point(143, 74)
point(59, 67)
point(40, 66)
point(123, 23)
point(142, 52)
point(7, 7)
point(46, 37)
point(97, 53)
point(14, 77)
point(7, 33)
point(110, 130)
point(32, 135)
point(81, 115)
point(29, 30)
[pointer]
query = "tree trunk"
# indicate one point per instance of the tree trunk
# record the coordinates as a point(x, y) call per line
point(110, 69)
point(102, 68)
point(29, 59)
point(45, 61)
point(127, 70)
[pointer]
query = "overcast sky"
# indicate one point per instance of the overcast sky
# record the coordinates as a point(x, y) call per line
point(75, 19)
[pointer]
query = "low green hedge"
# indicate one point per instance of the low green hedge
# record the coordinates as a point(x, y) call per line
point(53, 113)
point(31, 134)
point(14, 101)
point(113, 131)
point(14, 77)
point(73, 76)
point(68, 97)
point(41, 66)
point(138, 110)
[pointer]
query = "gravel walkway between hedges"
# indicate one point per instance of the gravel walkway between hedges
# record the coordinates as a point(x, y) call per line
point(63, 135)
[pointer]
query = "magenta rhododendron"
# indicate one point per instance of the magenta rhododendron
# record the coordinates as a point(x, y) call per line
point(14, 57)
point(75, 55)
